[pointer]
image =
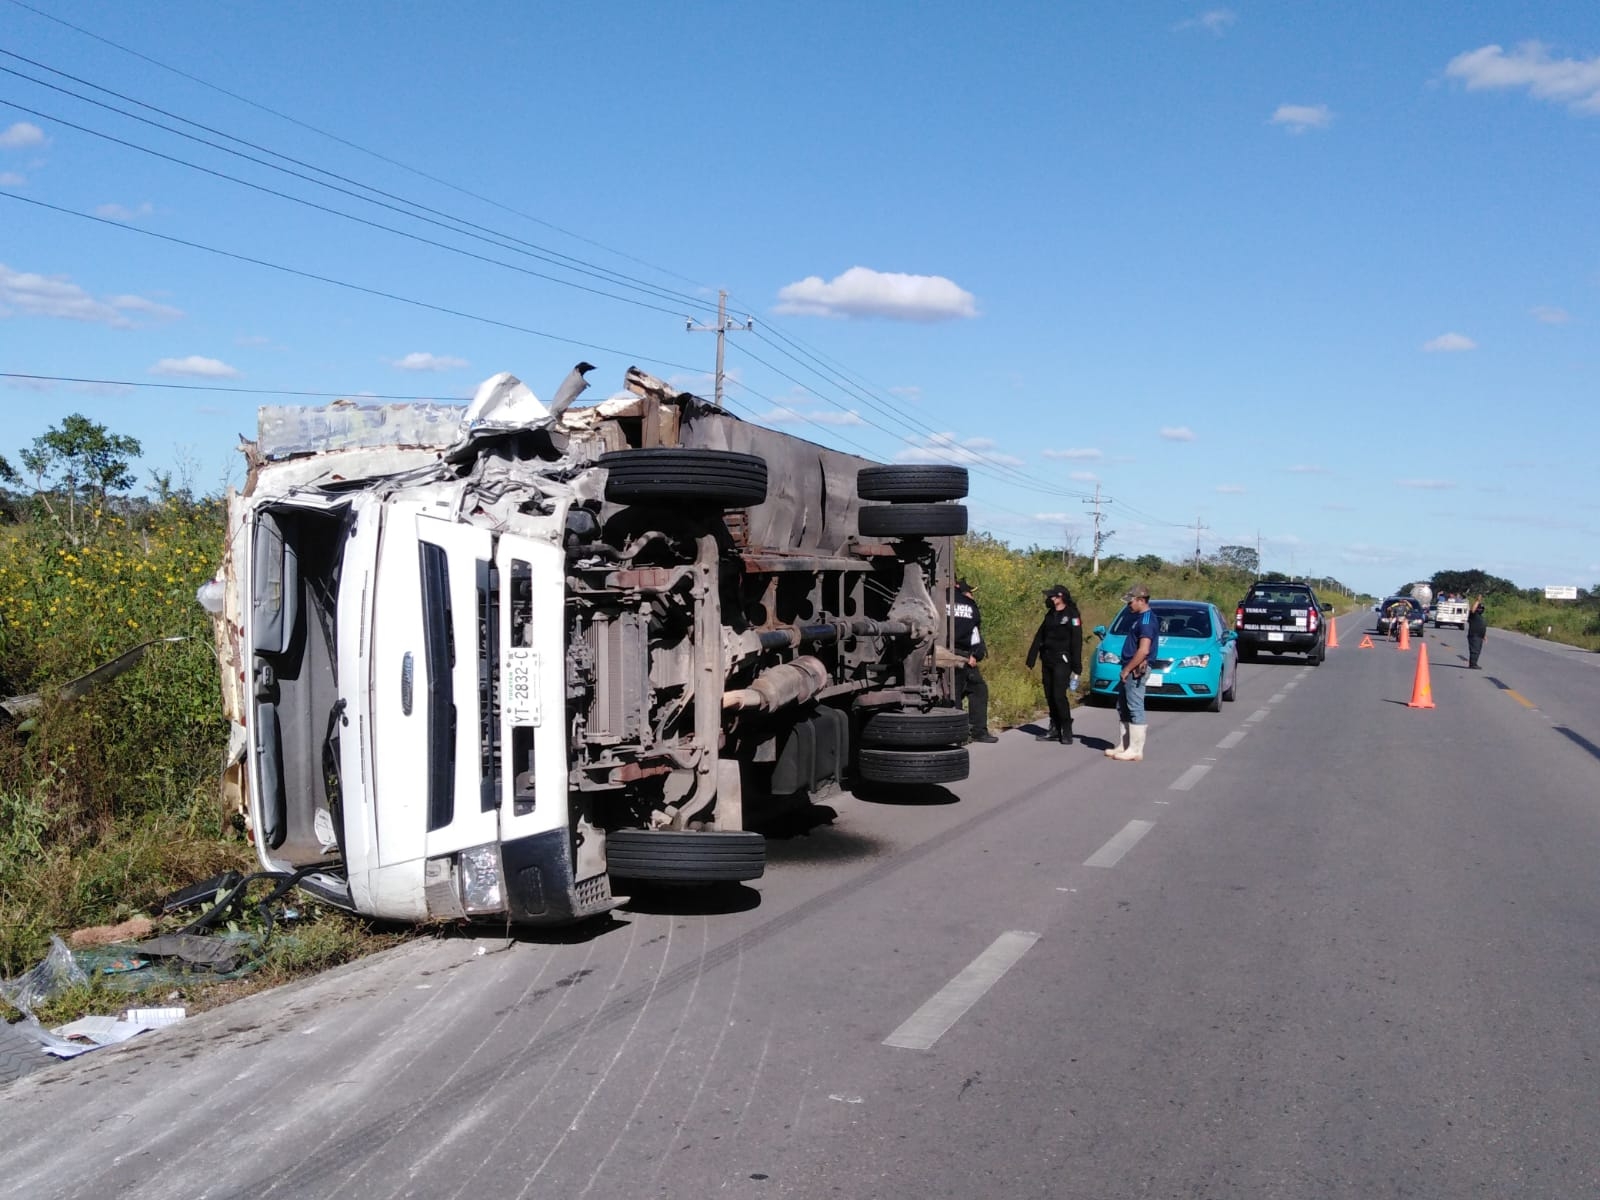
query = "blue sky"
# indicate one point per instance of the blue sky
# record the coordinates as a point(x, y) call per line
point(1326, 275)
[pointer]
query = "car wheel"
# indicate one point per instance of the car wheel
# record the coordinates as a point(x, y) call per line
point(913, 766)
point(913, 520)
point(912, 484)
point(1215, 703)
point(685, 856)
point(1232, 693)
point(724, 478)
point(912, 730)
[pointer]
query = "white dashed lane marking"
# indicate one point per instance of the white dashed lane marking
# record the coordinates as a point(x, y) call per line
point(1278, 699)
point(1260, 714)
point(1111, 853)
point(1232, 740)
point(950, 1003)
point(1189, 778)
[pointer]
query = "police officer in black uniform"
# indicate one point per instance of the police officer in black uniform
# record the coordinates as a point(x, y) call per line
point(1477, 629)
point(1059, 647)
point(969, 646)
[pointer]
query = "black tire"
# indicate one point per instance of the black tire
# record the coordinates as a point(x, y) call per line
point(911, 730)
point(724, 478)
point(1232, 693)
point(684, 856)
point(19, 1054)
point(913, 766)
point(1215, 703)
point(914, 520)
point(914, 484)
point(1246, 656)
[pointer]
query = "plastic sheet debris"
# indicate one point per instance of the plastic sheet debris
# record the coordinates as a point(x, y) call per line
point(51, 976)
point(91, 1033)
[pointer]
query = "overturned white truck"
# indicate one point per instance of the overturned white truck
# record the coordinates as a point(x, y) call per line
point(481, 663)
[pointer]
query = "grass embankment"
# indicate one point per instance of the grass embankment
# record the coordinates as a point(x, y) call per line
point(110, 802)
point(1574, 622)
point(1009, 584)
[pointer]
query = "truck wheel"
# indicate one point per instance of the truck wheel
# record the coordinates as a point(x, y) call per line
point(724, 478)
point(914, 520)
point(684, 856)
point(916, 483)
point(19, 1054)
point(912, 730)
point(913, 766)
point(1247, 656)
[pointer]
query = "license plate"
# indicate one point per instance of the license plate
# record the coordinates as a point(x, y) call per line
point(521, 700)
point(1152, 680)
point(1274, 637)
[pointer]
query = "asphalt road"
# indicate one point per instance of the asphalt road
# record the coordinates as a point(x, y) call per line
point(1320, 945)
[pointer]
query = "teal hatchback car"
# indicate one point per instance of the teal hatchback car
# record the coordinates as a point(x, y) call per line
point(1196, 658)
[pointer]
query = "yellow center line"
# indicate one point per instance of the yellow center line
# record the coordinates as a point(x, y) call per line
point(1519, 698)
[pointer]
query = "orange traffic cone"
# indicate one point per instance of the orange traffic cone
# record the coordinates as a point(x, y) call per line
point(1333, 635)
point(1405, 634)
point(1421, 688)
point(1365, 643)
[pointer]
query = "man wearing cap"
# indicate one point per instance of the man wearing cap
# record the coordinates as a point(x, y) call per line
point(1138, 651)
point(963, 609)
point(1058, 646)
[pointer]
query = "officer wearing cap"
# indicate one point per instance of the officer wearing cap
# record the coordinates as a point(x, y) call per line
point(1058, 647)
point(963, 609)
point(1138, 651)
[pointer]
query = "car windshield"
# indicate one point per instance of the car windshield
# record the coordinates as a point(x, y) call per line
point(1177, 620)
point(1272, 596)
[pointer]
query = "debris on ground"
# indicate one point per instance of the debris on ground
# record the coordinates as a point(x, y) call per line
point(104, 935)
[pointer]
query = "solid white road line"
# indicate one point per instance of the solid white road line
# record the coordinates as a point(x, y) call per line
point(949, 1004)
point(1260, 714)
point(1232, 740)
point(1111, 853)
point(1189, 778)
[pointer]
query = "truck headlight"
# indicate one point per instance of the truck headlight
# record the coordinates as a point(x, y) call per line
point(1107, 656)
point(481, 890)
point(1195, 660)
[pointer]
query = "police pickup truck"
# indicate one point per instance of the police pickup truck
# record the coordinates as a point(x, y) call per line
point(1280, 618)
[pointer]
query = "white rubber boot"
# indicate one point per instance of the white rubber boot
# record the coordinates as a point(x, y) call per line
point(1135, 750)
point(1121, 747)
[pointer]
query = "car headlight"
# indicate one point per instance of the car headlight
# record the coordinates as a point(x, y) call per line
point(1107, 656)
point(1195, 660)
point(481, 890)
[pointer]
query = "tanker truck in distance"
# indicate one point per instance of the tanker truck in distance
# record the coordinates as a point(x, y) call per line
point(486, 663)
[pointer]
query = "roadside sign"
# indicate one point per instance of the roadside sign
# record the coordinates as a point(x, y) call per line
point(1561, 593)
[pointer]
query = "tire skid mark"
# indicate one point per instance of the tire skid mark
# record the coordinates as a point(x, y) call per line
point(655, 1075)
point(573, 1044)
point(616, 1056)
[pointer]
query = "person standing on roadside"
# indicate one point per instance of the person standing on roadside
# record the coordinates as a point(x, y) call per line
point(1058, 646)
point(969, 647)
point(1138, 652)
point(1477, 629)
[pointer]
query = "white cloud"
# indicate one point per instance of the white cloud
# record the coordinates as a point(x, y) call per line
point(22, 136)
point(1306, 469)
point(1574, 82)
point(194, 366)
point(1551, 315)
point(862, 292)
point(1230, 489)
point(1078, 455)
point(1449, 343)
point(1428, 485)
point(1084, 477)
point(783, 415)
point(948, 448)
point(13, 179)
point(1055, 518)
point(1214, 21)
point(1177, 433)
point(1297, 118)
point(28, 294)
point(121, 212)
point(422, 361)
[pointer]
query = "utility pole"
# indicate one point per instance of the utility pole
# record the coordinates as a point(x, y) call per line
point(1099, 538)
point(1197, 528)
point(721, 329)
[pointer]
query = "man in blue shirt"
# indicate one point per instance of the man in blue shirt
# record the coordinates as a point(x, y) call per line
point(1138, 652)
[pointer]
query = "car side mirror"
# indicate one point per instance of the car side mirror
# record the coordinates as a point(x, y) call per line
point(1099, 631)
point(1228, 635)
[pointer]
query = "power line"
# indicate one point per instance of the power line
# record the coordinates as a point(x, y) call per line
point(354, 287)
point(212, 387)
